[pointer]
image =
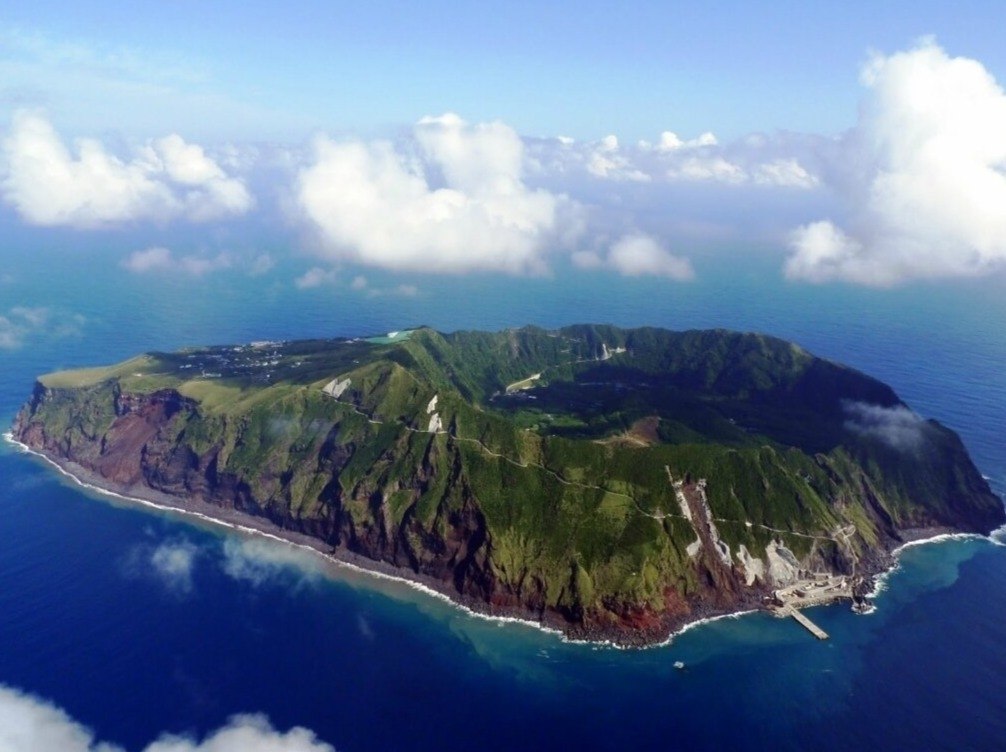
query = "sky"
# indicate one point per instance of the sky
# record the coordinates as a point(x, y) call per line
point(861, 143)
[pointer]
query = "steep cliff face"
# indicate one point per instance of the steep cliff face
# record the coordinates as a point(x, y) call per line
point(556, 499)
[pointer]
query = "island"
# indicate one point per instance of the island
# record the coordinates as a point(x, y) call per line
point(614, 484)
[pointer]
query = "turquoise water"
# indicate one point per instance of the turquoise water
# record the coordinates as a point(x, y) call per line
point(132, 649)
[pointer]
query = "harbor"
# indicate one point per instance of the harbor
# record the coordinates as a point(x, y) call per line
point(817, 590)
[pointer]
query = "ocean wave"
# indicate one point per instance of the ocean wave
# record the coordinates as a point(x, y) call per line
point(998, 536)
point(941, 538)
point(880, 582)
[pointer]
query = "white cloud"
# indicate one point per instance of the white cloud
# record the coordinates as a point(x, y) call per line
point(402, 291)
point(671, 141)
point(148, 260)
point(708, 168)
point(455, 202)
point(587, 259)
point(29, 724)
point(160, 259)
point(784, 172)
point(257, 560)
point(605, 161)
point(11, 336)
point(638, 255)
point(245, 733)
point(316, 276)
point(825, 252)
point(22, 323)
point(197, 266)
point(34, 317)
point(923, 175)
point(89, 187)
point(897, 426)
point(171, 563)
point(261, 264)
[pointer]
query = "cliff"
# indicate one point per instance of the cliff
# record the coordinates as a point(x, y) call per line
point(614, 483)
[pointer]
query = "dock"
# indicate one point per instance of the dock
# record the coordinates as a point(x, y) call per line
point(804, 622)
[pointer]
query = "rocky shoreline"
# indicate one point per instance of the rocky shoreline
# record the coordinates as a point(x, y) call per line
point(667, 628)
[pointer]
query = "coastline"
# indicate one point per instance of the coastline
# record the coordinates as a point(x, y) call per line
point(261, 527)
point(247, 524)
point(880, 579)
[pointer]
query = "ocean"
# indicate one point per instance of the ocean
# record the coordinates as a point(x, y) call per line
point(139, 622)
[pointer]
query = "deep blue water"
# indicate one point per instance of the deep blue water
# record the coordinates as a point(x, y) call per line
point(90, 622)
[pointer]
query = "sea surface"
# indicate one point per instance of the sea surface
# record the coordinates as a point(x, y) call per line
point(138, 622)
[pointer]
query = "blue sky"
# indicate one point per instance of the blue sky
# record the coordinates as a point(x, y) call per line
point(862, 143)
point(578, 69)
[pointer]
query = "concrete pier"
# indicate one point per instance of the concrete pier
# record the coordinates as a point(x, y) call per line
point(804, 622)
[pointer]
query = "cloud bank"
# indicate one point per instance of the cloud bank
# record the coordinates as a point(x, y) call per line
point(922, 175)
point(29, 724)
point(756, 161)
point(897, 426)
point(88, 187)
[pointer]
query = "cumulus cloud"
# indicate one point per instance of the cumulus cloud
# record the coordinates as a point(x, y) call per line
point(452, 200)
point(257, 560)
point(30, 724)
point(49, 184)
point(922, 174)
point(173, 562)
point(897, 426)
point(605, 161)
point(316, 276)
point(670, 141)
point(638, 255)
point(22, 323)
point(245, 733)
